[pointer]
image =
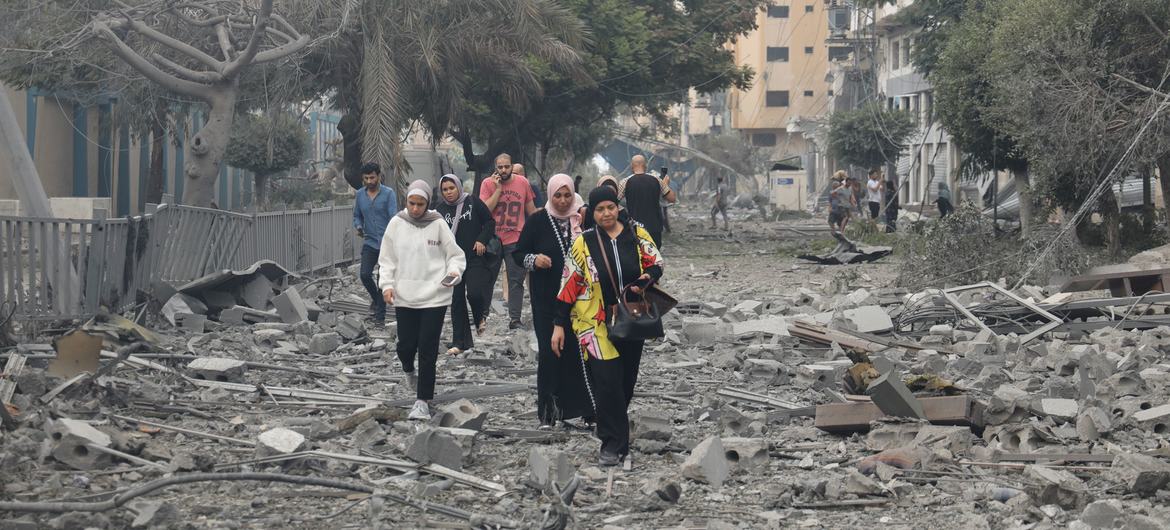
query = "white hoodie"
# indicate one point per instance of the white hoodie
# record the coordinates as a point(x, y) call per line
point(413, 261)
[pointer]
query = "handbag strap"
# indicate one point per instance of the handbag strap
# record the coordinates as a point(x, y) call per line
point(609, 271)
point(458, 214)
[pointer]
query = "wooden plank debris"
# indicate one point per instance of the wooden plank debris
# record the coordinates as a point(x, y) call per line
point(855, 417)
point(12, 368)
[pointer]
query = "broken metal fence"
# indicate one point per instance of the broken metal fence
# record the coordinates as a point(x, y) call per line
point(70, 268)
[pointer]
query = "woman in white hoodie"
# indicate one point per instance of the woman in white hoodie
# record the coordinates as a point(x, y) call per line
point(419, 264)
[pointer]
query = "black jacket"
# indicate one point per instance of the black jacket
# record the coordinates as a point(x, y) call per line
point(477, 224)
point(538, 237)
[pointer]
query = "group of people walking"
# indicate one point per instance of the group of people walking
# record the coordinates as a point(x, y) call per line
point(577, 256)
point(846, 197)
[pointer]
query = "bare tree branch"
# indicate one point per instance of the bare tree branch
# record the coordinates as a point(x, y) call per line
point(225, 41)
point(253, 47)
point(1143, 88)
point(166, 40)
point(184, 72)
point(146, 68)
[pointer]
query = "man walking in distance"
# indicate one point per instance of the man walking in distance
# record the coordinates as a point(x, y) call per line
point(720, 206)
point(874, 189)
point(510, 199)
point(373, 206)
point(643, 192)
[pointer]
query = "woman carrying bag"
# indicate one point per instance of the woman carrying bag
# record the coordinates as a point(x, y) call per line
point(474, 227)
point(419, 264)
point(613, 261)
point(543, 245)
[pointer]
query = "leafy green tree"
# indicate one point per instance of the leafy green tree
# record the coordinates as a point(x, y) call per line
point(267, 145)
point(869, 136)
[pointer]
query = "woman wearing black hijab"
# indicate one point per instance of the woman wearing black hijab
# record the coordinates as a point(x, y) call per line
point(473, 226)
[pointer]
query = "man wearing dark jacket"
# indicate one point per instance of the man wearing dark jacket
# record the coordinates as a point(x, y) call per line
point(643, 193)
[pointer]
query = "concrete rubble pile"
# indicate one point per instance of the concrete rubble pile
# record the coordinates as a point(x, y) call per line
point(790, 402)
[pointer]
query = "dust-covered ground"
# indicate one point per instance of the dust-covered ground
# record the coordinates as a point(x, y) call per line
point(781, 470)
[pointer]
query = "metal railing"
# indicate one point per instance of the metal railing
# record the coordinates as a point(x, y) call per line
point(70, 268)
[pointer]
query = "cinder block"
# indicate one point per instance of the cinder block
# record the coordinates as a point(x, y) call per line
point(436, 447)
point(890, 395)
point(707, 462)
point(746, 454)
point(547, 468)
point(72, 440)
point(651, 425)
point(279, 441)
point(324, 343)
point(462, 414)
point(290, 306)
point(218, 369)
point(257, 292)
point(1141, 474)
point(1156, 419)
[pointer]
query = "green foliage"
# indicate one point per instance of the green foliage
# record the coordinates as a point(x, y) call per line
point(869, 136)
point(296, 194)
point(964, 248)
point(267, 144)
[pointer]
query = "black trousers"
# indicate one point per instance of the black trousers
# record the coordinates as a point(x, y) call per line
point(874, 208)
point(475, 289)
point(418, 336)
point(944, 208)
point(369, 262)
point(560, 381)
point(612, 383)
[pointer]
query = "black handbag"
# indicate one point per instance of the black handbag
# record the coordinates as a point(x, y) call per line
point(630, 320)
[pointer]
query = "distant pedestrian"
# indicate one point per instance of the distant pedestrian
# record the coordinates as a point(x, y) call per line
point(473, 226)
point(719, 205)
point(891, 207)
point(873, 192)
point(855, 189)
point(510, 199)
point(643, 193)
point(944, 200)
point(420, 263)
point(590, 289)
point(373, 206)
point(543, 247)
point(577, 184)
point(840, 202)
point(611, 182)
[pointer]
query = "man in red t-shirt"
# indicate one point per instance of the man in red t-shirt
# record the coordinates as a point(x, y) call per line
point(510, 199)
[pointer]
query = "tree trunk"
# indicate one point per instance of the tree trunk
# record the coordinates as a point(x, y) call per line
point(206, 149)
point(260, 192)
point(351, 155)
point(1112, 218)
point(1164, 178)
point(158, 143)
point(1025, 195)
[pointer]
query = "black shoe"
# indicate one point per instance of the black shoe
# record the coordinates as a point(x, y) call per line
point(515, 324)
point(607, 459)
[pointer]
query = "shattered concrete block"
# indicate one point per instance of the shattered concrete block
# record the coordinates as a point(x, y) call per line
point(290, 306)
point(268, 336)
point(704, 330)
point(464, 437)
point(279, 441)
point(1004, 406)
point(368, 434)
point(651, 425)
point(663, 487)
point(218, 369)
point(350, 327)
point(748, 306)
point(192, 322)
point(821, 375)
point(775, 325)
point(890, 395)
point(1141, 474)
point(462, 414)
point(766, 370)
point(1054, 486)
point(714, 309)
point(257, 292)
point(746, 454)
point(1092, 423)
point(707, 462)
point(324, 343)
point(233, 316)
point(733, 420)
point(435, 447)
point(1156, 419)
point(548, 468)
point(859, 484)
point(1015, 438)
point(71, 441)
point(1057, 409)
point(942, 330)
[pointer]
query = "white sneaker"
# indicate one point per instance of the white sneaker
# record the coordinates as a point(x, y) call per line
point(420, 411)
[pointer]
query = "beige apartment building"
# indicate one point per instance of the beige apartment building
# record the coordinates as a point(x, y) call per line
point(789, 56)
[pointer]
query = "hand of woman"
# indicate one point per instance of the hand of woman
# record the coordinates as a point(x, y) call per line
point(542, 261)
point(388, 296)
point(479, 248)
point(644, 278)
point(558, 340)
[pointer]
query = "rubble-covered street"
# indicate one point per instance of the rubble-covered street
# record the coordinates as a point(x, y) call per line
point(786, 394)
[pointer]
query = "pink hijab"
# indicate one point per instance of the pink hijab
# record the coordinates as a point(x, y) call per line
point(558, 181)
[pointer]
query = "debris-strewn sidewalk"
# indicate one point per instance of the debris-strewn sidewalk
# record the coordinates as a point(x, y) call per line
point(785, 394)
